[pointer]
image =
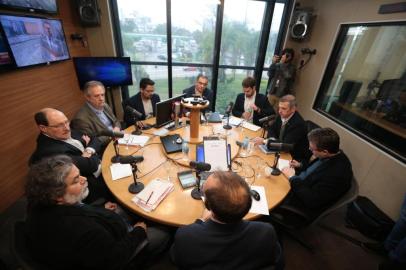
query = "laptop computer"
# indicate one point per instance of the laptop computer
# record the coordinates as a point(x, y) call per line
point(170, 145)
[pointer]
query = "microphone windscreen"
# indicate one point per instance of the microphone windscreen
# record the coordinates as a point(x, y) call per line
point(200, 166)
point(133, 111)
point(286, 147)
point(267, 118)
point(131, 159)
point(111, 133)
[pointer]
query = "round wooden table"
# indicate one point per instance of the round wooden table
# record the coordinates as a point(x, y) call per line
point(179, 208)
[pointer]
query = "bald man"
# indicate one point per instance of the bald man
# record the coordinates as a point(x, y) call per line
point(221, 239)
point(57, 138)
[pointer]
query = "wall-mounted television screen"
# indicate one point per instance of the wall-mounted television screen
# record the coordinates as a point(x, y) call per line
point(111, 71)
point(34, 41)
point(46, 6)
point(5, 58)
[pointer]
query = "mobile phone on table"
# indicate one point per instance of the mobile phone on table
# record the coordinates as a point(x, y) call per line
point(187, 179)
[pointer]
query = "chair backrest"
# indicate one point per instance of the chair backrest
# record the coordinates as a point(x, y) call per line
point(311, 125)
point(348, 197)
point(20, 249)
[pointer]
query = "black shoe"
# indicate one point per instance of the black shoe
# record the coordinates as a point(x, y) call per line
point(377, 248)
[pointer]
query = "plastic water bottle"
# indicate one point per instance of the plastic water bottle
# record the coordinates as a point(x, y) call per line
point(185, 151)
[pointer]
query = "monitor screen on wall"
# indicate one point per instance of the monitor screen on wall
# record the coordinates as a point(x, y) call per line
point(111, 71)
point(34, 41)
point(46, 6)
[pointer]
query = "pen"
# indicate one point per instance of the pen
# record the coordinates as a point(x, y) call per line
point(150, 195)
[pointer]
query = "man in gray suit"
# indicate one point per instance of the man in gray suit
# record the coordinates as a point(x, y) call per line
point(95, 115)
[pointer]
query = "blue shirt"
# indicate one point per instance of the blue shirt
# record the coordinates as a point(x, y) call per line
point(102, 117)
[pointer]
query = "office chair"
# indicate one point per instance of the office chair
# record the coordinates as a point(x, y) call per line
point(310, 125)
point(20, 249)
point(292, 229)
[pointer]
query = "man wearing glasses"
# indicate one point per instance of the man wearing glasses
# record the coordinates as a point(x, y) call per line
point(200, 89)
point(144, 102)
point(57, 138)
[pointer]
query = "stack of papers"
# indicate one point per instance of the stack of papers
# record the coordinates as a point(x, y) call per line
point(130, 139)
point(250, 126)
point(261, 206)
point(283, 163)
point(152, 195)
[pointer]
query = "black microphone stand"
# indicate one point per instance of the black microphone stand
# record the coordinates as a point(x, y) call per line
point(265, 125)
point(196, 192)
point(275, 170)
point(135, 187)
point(116, 158)
point(228, 126)
point(136, 131)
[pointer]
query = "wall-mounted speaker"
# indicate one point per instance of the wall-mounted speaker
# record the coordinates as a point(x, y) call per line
point(89, 12)
point(300, 24)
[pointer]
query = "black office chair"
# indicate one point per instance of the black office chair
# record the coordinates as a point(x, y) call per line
point(293, 229)
point(311, 125)
point(20, 249)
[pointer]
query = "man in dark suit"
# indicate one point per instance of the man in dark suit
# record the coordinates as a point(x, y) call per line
point(221, 239)
point(95, 116)
point(251, 105)
point(289, 127)
point(200, 89)
point(64, 233)
point(318, 185)
point(57, 138)
point(144, 102)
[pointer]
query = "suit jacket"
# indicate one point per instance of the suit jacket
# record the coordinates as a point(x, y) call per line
point(211, 245)
point(207, 93)
point(261, 102)
point(47, 146)
point(295, 133)
point(136, 103)
point(323, 187)
point(80, 237)
point(87, 122)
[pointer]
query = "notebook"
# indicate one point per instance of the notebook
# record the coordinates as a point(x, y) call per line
point(170, 145)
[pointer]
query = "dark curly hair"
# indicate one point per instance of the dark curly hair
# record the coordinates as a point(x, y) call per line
point(46, 180)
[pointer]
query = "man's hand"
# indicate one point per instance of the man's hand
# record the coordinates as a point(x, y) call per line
point(86, 139)
point(246, 115)
point(258, 140)
point(117, 129)
point(110, 206)
point(141, 224)
point(140, 124)
point(288, 172)
point(276, 58)
point(295, 164)
point(86, 154)
point(254, 107)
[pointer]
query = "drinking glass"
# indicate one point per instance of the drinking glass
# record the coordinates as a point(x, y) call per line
point(185, 151)
point(168, 169)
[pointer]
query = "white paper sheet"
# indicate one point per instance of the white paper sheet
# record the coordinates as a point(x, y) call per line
point(250, 126)
point(261, 206)
point(120, 170)
point(283, 163)
point(133, 140)
point(234, 121)
point(215, 153)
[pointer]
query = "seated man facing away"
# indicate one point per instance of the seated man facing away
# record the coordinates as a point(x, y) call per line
point(324, 180)
point(221, 239)
point(95, 116)
point(289, 127)
point(144, 102)
point(200, 89)
point(64, 233)
point(57, 138)
point(251, 105)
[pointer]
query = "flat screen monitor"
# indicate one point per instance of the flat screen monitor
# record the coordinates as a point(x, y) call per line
point(34, 41)
point(111, 71)
point(164, 110)
point(45, 6)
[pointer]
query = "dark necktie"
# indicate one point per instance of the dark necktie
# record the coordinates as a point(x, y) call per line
point(281, 133)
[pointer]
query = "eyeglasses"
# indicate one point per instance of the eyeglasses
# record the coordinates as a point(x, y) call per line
point(61, 125)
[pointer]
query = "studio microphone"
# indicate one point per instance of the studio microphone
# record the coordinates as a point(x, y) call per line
point(133, 112)
point(285, 147)
point(200, 166)
point(267, 118)
point(111, 133)
point(130, 159)
point(229, 108)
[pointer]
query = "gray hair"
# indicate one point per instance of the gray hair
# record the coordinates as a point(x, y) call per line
point(91, 84)
point(291, 99)
point(46, 180)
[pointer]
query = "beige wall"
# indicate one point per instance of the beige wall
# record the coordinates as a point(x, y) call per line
point(381, 178)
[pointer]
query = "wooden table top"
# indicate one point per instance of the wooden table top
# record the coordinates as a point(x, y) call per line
point(179, 208)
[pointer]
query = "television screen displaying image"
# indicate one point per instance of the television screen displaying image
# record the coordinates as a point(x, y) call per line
point(5, 59)
point(47, 6)
point(111, 71)
point(34, 41)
